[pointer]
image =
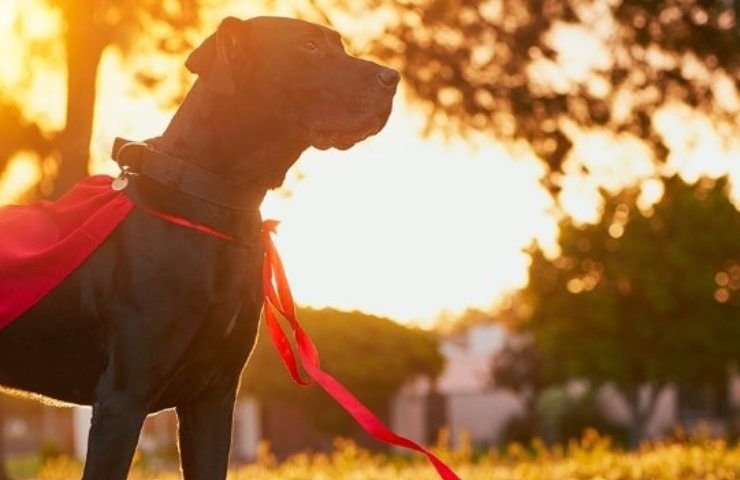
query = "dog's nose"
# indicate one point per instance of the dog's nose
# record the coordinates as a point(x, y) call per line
point(389, 78)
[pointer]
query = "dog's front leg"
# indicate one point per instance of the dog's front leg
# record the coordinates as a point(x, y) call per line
point(114, 433)
point(205, 435)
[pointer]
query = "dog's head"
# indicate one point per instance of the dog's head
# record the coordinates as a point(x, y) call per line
point(296, 75)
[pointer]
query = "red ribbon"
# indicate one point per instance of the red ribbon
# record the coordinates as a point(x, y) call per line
point(281, 300)
point(186, 223)
point(273, 274)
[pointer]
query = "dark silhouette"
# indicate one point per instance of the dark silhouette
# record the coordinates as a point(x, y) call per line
point(163, 316)
point(469, 63)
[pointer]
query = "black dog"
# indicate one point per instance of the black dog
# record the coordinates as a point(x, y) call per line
point(162, 316)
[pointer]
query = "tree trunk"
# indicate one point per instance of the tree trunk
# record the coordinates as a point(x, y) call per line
point(641, 413)
point(84, 41)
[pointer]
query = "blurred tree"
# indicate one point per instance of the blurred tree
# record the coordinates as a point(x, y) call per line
point(645, 297)
point(90, 27)
point(518, 366)
point(17, 133)
point(93, 25)
point(451, 323)
point(371, 356)
point(538, 70)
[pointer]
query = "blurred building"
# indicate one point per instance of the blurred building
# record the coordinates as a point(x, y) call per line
point(470, 402)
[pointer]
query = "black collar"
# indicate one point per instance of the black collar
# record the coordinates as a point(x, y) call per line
point(141, 158)
point(169, 184)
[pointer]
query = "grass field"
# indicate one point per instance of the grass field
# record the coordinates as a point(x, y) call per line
point(591, 458)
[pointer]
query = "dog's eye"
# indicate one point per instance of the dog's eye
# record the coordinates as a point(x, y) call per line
point(310, 46)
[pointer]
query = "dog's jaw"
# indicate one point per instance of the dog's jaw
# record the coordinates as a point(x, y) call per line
point(351, 133)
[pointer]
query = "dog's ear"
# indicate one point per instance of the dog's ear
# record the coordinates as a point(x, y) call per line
point(215, 61)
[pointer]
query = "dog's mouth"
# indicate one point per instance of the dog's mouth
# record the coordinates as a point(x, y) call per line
point(349, 134)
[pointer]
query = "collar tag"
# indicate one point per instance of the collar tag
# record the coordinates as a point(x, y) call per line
point(120, 182)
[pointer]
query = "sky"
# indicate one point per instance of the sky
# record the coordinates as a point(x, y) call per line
point(400, 226)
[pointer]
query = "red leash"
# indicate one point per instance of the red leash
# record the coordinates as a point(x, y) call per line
point(273, 274)
point(281, 300)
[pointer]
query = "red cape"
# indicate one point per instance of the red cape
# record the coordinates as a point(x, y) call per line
point(41, 244)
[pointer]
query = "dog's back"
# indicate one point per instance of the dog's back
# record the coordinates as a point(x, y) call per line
point(151, 290)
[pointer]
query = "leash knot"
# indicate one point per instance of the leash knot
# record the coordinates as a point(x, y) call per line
point(270, 226)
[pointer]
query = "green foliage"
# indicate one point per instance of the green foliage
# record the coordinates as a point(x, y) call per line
point(643, 296)
point(371, 356)
point(499, 66)
point(582, 415)
point(518, 365)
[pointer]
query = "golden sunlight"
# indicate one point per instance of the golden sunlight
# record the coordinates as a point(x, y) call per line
point(410, 228)
point(22, 173)
point(399, 226)
point(33, 70)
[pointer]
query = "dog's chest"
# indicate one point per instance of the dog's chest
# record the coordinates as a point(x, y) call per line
point(216, 357)
point(225, 329)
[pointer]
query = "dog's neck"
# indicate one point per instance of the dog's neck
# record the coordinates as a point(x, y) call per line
point(210, 130)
